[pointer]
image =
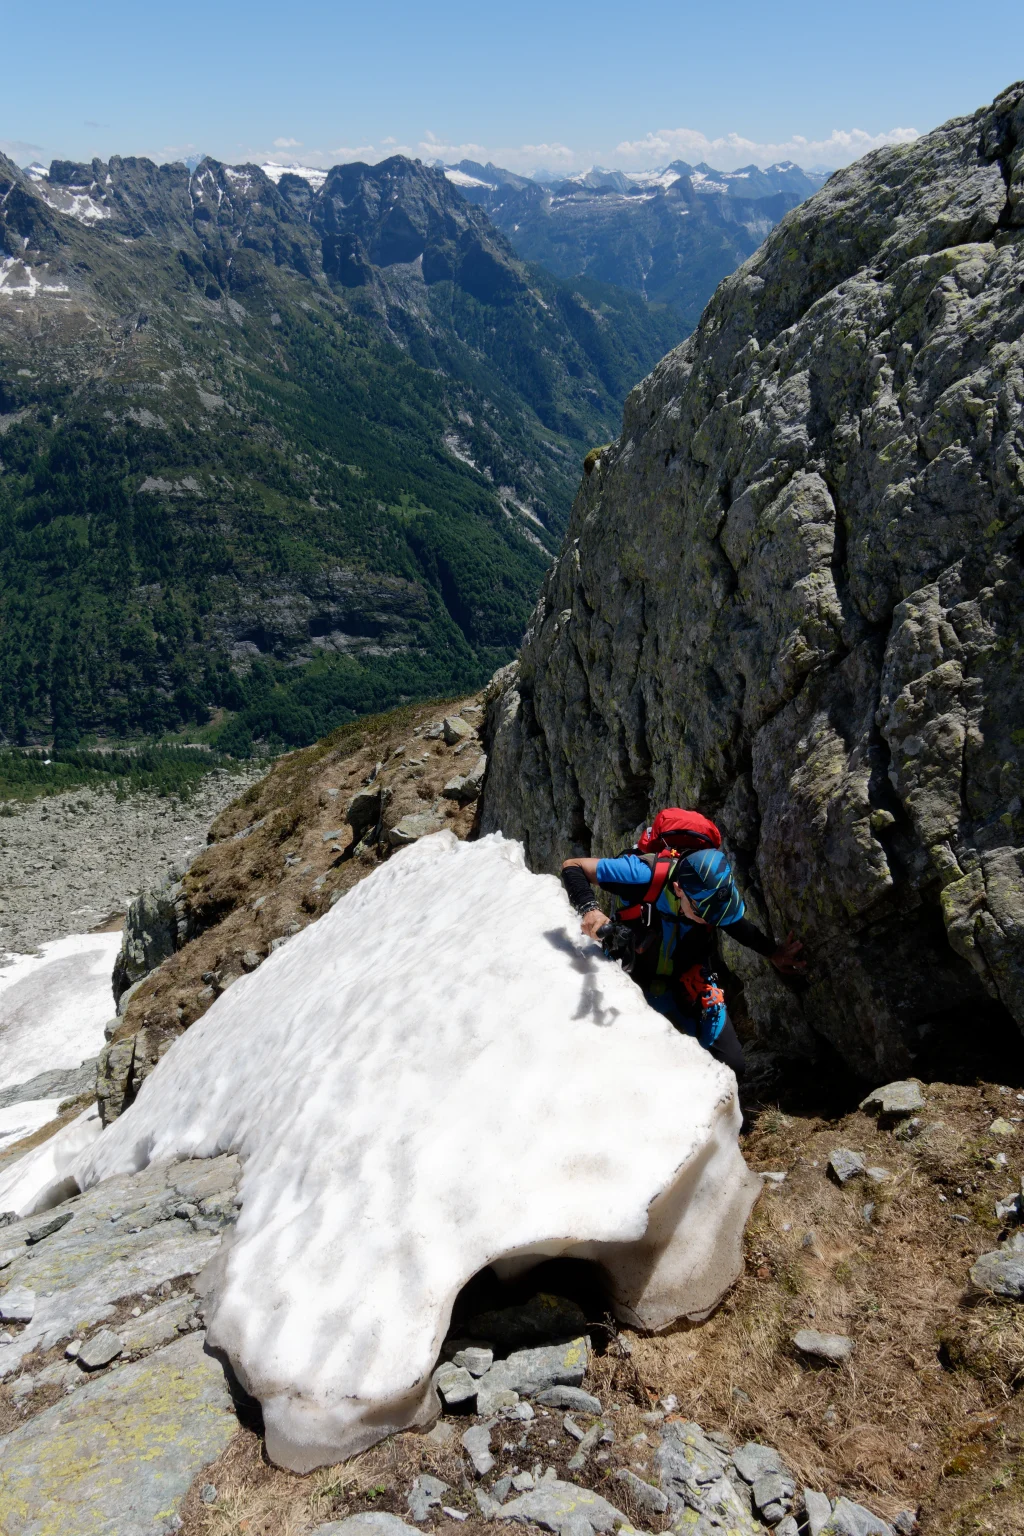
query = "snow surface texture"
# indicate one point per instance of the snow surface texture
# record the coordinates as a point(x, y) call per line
point(53, 1005)
point(438, 1075)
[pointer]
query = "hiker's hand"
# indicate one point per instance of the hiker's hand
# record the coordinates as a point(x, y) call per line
point(592, 922)
point(786, 958)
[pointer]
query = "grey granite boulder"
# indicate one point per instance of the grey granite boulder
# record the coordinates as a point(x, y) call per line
point(529, 1371)
point(372, 1523)
point(564, 1508)
point(651, 1500)
point(119, 1455)
point(895, 1101)
point(789, 594)
point(818, 1507)
point(850, 1519)
point(1001, 1272)
point(693, 1473)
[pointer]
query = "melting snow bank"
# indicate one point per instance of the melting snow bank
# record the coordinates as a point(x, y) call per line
point(437, 1075)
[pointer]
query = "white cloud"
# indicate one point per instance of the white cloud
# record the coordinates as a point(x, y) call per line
point(287, 143)
point(731, 150)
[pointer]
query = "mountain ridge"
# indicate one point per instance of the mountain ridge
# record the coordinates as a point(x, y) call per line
point(281, 451)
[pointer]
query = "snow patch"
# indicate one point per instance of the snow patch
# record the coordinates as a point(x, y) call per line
point(439, 1074)
point(53, 1005)
point(18, 281)
point(310, 173)
point(460, 179)
point(19, 1120)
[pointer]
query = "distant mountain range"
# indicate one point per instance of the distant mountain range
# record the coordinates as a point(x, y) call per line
point(277, 450)
point(670, 235)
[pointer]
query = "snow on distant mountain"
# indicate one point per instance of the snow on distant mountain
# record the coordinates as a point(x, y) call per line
point(670, 234)
point(310, 173)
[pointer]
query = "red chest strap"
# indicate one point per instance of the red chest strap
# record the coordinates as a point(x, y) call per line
point(660, 871)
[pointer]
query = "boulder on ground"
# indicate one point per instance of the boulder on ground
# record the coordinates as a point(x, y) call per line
point(895, 1101)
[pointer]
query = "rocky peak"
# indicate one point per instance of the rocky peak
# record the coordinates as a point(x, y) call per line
point(790, 595)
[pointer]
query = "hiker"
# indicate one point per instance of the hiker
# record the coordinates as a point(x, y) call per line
point(671, 892)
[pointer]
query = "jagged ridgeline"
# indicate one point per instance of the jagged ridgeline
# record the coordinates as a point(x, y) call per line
point(287, 453)
point(791, 595)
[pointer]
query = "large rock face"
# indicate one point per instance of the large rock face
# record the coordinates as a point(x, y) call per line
point(790, 595)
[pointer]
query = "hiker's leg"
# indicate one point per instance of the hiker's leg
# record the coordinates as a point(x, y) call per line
point(727, 1048)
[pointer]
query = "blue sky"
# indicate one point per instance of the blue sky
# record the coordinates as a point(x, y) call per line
point(560, 85)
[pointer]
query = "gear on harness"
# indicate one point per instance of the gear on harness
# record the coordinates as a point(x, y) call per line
point(702, 989)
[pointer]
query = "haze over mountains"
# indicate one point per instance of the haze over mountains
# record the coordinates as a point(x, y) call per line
point(287, 451)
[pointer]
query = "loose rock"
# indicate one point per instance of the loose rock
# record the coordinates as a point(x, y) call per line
point(844, 1164)
point(819, 1508)
point(895, 1101)
point(562, 1507)
point(651, 1500)
point(849, 1519)
point(831, 1347)
point(573, 1398)
point(1000, 1272)
point(100, 1349)
point(476, 1442)
point(476, 1359)
point(425, 1495)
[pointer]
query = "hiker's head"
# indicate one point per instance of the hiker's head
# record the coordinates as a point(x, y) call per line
point(679, 831)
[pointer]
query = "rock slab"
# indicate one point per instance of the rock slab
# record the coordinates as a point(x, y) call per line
point(118, 1458)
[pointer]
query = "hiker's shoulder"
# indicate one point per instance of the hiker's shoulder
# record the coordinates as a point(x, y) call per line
point(624, 869)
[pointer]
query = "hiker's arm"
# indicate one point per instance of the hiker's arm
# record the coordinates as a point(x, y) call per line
point(784, 957)
point(578, 876)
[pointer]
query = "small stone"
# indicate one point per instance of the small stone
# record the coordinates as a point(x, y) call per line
point(454, 1383)
point(491, 1399)
point(501, 1488)
point(1009, 1208)
point(850, 1519)
point(894, 1101)
point(572, 1428)
point(425, 1495)
point(908, 1129)
point(844, 1164)
point(819, 1508)
point(414, 826)
point(670, 1403)
point(441, 1436)
point(488, 1507)
point(475, 1358)
point(654, 1418)
point(1000, 1272)
point(569, 1397)
point(831, 1347)
point(774, 1488)
point(47, 1227)
point(522, 1481)
point(787, 1527)
point(250, 960)
point(867, 1212)
point(579, 1460)
point(100, 1349)
point(648, 1498)
point(208, 1494)
point(739, 1396)
point(878, 1175)
point(1001, 1127)
point(454, 1514)
point(476, 1442)
point(774, 1178)
point(905, 1523)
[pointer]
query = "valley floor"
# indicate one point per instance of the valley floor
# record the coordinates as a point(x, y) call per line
point(72, 862)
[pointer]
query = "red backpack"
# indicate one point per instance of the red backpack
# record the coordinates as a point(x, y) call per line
point(674, 832)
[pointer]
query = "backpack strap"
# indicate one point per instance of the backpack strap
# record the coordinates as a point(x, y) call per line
point(661, 866)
